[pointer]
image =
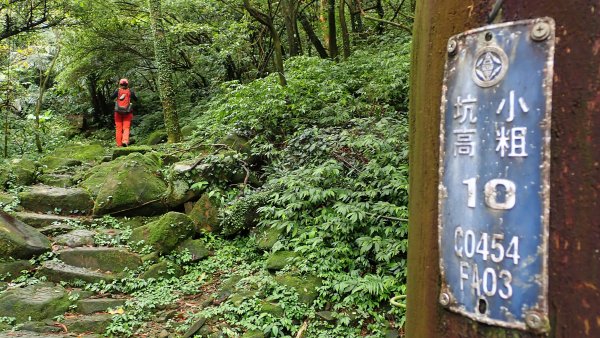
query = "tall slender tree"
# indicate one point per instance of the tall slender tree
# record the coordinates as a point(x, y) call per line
point(164, 70)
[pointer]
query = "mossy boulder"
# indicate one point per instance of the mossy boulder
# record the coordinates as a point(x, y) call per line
point(156, 137)
point(88, 323)
point(254, 334)
point(76, 238)
point(35, 302)
point(19, 240)
point(273, 309)
point(187, 131)
point(11, 270)
point(163, 269)
point(59, 272)
point(24, 171)
point(128, 186)
point(205, 215)
point(196, 248)
point(18, 172)
point(6, 199)
point(179, 192)
point(51, 163)
point(306, 286)
point(65, 201)
point(242, 214)
point(124, 151)
point(165, 233)
point(87, 153)
point(266, 237)
point(280, 259)
point(88, 306)
point(237, 142)
point(104, 258)
point(56, 180)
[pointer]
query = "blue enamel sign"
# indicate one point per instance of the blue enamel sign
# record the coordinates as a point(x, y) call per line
point(494, 174)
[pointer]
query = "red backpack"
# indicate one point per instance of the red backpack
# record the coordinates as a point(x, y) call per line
point(123, 104)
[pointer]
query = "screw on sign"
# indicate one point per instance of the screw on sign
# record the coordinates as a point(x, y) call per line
point(494, 170)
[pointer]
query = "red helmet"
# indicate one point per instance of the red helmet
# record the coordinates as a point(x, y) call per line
point(124, 82)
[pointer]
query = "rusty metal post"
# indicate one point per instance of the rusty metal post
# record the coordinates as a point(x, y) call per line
point(574, 242)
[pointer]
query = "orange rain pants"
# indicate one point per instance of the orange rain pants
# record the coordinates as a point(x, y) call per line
point(122, 124)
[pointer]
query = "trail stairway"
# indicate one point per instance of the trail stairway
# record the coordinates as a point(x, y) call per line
point(49, 210)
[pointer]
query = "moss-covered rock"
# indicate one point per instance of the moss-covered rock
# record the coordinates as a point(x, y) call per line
point(59, 272)
point(20, 241)
point(165, 233)
point(195, 247)
point(306, 287)
point(205, 215)
point(253, 334)
point(237, 143)
point(179, 192)
point(24, 171)
point(156, 137)
point(17, 172)
point(41, 220)
point(88, 323)
point(65, 201)
point(273, 309)
point(128, 185)
point(187, 131)
point(124, 151)
point(105, 259)
point(280, 259)
point(11, 270)
point(35, 302)
point(164, 269)
point(76, 238)
point(56, 180)
point(51, 163)
point(267, 237)
point(6, 199)
point(88, 153)
point(242, 214)
point(88, 306)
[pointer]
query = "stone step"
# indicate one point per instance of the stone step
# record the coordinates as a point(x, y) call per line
point(101, 258)
point(64, 201)
point(96, 323)
point(89, 306)
point(34, 302)
point(19, 240)
point(57, 180)
point(11, 270)
point(41, 220)
point(59, 271)
point(56, 229)
point(76, 238)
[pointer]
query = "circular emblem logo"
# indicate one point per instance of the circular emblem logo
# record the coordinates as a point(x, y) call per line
point(491, 64)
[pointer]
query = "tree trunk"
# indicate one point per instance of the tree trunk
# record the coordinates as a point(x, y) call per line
point(38, 106)
point(333, 48)
point(267, 21)
point(344, 27)
point(293, 38)
point(312, 36)
point(380, 13)
point(165, 80)
point(356, 17)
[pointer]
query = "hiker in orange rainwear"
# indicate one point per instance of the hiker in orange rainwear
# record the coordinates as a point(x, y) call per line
point(123, 111)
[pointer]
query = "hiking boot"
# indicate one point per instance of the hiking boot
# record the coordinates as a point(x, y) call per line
point(125, 145)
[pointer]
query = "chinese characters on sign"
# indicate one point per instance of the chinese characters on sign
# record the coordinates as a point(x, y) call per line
point(494, 161)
